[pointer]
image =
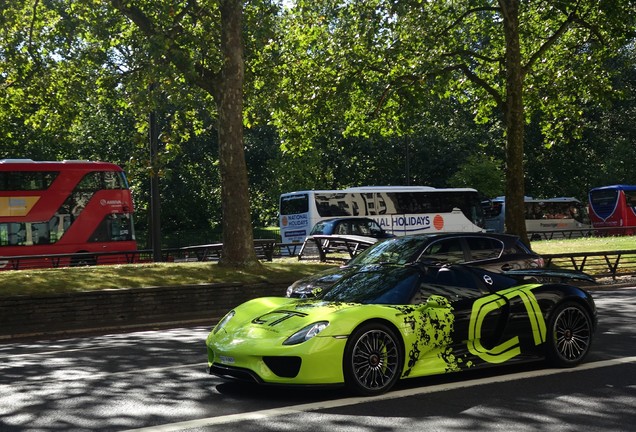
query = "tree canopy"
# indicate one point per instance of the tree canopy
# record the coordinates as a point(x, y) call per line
point(372, 64)
point(334, 94)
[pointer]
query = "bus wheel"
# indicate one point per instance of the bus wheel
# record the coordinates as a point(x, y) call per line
point(83, 260)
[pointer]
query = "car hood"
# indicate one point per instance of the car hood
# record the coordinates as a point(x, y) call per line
point(277, 318)
point(306, 287)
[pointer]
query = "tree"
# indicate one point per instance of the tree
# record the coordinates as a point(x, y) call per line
point(482, 173)
point(62, 62)
point(506, 59)
point(222, 77)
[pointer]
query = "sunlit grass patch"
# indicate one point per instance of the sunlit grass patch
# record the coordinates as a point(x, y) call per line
point(73, 279)
point(586, 244)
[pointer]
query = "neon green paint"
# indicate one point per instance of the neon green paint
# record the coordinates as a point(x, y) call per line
point(509, 349)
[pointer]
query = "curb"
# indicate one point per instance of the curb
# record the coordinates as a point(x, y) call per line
point(102, 311)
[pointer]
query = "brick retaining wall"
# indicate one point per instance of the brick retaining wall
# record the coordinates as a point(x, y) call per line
point(22, 316)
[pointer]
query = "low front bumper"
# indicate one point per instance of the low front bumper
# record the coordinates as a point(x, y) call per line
point(317, 361)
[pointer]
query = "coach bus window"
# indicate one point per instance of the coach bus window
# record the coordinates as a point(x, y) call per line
point(630, 198)
point(334, 204)
point(294, 204)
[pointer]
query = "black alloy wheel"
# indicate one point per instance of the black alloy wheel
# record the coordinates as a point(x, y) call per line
point(373, 360)
point(569, 335)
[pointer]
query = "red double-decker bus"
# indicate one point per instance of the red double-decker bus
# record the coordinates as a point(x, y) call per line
point(77, 208)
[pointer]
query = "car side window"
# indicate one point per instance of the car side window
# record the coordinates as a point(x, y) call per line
point(450, 283)
point(447, 250)
point(484, 248)
point(359, 229)
point(341, 229)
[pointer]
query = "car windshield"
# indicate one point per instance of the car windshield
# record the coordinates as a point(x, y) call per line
point(319, 228)
point(401, 250)
point(378, 286)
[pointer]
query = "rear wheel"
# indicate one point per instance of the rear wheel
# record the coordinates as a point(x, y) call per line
point(373, 360)
point(83, 260)
point(569, 335)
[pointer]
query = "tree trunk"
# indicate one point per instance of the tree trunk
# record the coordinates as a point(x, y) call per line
point(515, 120)
point(238, 244)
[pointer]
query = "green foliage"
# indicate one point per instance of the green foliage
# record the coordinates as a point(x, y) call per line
point(482, 173)
point(76, 79)
point(372, 70)
point(338, 93)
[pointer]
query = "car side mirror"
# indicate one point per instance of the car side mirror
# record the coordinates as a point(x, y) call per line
point(436, 301)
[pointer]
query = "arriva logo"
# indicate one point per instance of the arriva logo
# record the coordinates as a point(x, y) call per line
point(104, 202)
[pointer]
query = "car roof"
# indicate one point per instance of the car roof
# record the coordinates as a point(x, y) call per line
point(346, 218)
point(462, 234)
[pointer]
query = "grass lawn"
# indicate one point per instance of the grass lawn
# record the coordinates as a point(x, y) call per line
point(588, 244)
point(71, 279)
point(29, 282)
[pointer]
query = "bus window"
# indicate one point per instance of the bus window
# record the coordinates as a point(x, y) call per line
point(542, 215)
point(58, 225)
point(26, 180)
point(16, 233)
point(294, 204)
point(40, 233)
point(114, 227)
point(630, 198)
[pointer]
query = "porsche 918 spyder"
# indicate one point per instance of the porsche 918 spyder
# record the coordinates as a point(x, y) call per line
point(388, 322)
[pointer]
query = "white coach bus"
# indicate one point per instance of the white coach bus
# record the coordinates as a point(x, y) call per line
point(399, 210)
point(549, 215)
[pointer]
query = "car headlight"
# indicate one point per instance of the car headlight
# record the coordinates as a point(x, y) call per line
point(224, 321)
point(298, 285)
point(306, 333)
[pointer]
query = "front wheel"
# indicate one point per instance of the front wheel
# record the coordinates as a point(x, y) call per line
point(372, 361)
point(569, 335)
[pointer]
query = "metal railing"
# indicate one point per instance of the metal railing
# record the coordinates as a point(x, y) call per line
point(561, 234)
point(333, 247)
point(598, 264)
point(264, 249)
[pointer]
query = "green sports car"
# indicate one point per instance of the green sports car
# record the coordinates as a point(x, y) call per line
point(389, 322)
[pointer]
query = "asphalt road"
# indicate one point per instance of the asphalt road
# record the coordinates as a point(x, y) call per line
point(156, 380)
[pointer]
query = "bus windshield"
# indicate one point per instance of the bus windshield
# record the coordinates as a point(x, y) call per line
point(614, 207)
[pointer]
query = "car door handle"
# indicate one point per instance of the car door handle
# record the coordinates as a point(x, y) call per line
point(506, 267)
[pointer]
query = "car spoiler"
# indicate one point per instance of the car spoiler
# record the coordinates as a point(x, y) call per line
point(563, 275)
